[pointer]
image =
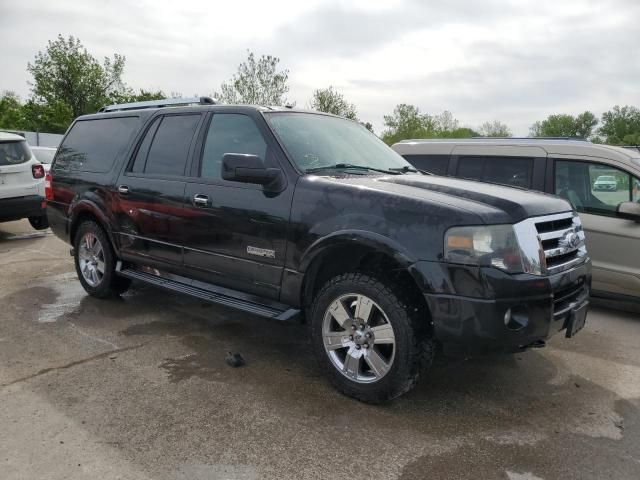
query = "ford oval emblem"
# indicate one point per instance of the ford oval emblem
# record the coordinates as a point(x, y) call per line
point(571, 240)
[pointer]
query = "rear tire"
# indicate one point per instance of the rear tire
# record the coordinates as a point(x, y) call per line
point(39, 223)
point(369, 338)
point(95, 262)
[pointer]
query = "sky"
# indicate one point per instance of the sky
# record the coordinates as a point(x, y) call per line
point(514, 61)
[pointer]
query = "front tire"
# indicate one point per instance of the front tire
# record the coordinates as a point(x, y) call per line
point(95, 262)
point(371, 341)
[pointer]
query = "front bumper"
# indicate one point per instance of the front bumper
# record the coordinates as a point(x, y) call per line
point(16, 208)
point(468, 305)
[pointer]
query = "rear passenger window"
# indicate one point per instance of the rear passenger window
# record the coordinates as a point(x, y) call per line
point(230, 133)
point(93, 145)
point(170, 146)
point(512, 171)
point(436, 164)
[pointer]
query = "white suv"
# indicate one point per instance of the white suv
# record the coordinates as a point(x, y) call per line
point(21, 183)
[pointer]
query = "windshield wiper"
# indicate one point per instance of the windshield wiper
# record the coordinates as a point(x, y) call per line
point(407, 169)
point(339, 166)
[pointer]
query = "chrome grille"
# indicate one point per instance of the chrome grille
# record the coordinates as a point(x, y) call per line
point(562, 240)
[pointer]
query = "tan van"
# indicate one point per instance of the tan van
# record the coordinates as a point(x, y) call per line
point(602, 182)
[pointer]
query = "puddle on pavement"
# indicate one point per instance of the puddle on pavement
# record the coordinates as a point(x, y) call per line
point(68, 295)
point(271, 351)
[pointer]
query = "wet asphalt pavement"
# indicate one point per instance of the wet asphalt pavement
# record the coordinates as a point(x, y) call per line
point(137, 388)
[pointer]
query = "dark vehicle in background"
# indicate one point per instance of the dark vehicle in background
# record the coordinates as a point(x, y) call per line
point(299, 215)
point(602, 182)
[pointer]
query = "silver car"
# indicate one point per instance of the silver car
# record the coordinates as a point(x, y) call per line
point(606, 183)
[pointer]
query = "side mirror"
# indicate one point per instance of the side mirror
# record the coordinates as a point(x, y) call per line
point(238, 167)
point(629, 210)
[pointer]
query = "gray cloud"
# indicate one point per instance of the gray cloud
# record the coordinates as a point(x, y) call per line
point(519, 61)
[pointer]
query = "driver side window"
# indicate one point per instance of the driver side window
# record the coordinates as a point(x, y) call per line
point(594, 187)
point(230, 133)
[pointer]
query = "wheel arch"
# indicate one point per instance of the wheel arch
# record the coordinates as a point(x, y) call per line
point(86, 210)
point(357, 251)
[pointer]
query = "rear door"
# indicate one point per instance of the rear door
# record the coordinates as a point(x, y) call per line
point(236, 236)
point(150, 213)
point(613, 243)
point(16, 177)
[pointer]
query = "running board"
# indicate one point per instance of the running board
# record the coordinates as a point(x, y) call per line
point(210, 293)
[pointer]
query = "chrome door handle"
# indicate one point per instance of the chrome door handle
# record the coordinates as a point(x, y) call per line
point(123, 190)
point(200, 200)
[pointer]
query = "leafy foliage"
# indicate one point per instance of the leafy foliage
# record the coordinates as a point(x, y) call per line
point(495, 128)
point(621, 125)
point(11, 113)
point(329, 100)
point(407, 122)
point(68, 82)
point(257, 82)
point(67, 73)
point(565, 125)
point(129, 96)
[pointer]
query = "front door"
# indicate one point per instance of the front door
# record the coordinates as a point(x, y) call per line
point(235, 234)
point(595, 190)
point(149, 197)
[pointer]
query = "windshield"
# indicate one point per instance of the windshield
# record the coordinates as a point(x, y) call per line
point(314, 141)
point(14, 152)
point(606, 178)
point(44, 155)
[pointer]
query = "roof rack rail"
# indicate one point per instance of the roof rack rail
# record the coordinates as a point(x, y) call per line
point(165, 102)
point(579, 139)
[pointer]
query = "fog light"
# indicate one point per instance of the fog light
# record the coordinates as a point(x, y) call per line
point(516, 318)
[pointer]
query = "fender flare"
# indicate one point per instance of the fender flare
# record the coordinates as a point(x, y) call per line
point(363, 237)
point(76, 209)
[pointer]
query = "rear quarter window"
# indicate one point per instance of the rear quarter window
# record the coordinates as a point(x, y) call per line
point(14, 152)
point(94, 145)
point(436, 164)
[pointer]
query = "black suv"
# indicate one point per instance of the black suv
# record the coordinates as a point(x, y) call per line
point(293, 214)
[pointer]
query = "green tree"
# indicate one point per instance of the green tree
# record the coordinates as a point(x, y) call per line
point(329, 100)
point(407, 122)
point(130, 96)
point(54, 117)
point(11, 111)
point(621, 125)
point(66, 73)
point(495, 128)
point(257, 82)
point(564, 125)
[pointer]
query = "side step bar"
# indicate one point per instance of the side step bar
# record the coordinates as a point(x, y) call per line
point(211, 293)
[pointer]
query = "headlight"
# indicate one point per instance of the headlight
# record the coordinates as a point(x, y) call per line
point(485, 246)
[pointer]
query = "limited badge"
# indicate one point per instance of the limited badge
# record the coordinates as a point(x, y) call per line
point(261, 252)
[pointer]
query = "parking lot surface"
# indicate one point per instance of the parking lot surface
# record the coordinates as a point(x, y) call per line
point(137, 388)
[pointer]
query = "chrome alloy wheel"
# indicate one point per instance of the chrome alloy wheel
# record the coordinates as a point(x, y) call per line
point(91, 259)
point(358, 338)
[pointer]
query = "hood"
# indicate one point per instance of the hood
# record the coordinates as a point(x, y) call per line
point(493, 204)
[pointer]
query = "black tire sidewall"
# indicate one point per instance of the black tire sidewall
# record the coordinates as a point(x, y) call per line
point(400, 377)
point(104, 288)
point(39, 223)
